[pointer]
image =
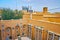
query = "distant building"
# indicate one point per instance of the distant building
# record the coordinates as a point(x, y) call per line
point(28, 9)
point(25, 8)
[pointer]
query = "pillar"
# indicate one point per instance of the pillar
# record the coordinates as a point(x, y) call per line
point(38, 33)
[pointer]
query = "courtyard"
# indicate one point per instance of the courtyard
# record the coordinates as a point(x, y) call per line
point(24, 38)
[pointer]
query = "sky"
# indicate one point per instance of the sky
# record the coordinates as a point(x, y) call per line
point(36, 5)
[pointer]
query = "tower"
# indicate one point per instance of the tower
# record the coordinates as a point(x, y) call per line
point(45, 10)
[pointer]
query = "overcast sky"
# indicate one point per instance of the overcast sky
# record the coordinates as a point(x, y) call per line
point(36, 4)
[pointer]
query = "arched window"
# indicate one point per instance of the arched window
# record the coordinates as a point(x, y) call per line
point(2, 26)
point(8, 30)
point(13, 28)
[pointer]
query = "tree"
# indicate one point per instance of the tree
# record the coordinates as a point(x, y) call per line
point(18, 14)
point(7, 14)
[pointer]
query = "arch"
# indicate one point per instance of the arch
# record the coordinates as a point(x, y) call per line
point(24, 30)
point(8, 32)
point(8, 29)
point(17, 30)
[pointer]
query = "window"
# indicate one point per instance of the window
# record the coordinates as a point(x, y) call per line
point(56, 37)
point(23, 33)
point(10, 37)
point(50, 35)
point(8, 30)
point(13, 28)
point(2, 26)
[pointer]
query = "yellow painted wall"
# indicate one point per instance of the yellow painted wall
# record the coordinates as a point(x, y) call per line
point(37, 17)
point(26, 16)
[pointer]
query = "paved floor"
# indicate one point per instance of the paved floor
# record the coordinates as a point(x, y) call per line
point(24, 38)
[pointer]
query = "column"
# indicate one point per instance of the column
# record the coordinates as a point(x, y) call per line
point(36, 32)
point(40, 34)
point(21, 27)
point(30, 31)
point(47, 35)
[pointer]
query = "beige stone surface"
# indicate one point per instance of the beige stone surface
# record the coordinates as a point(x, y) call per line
point(24, 38)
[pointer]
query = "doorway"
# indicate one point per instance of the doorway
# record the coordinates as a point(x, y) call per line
point(8, 33)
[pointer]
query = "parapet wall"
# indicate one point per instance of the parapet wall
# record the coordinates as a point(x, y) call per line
point(41, 16)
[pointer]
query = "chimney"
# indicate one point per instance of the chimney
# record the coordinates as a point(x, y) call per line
point(45, 10)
